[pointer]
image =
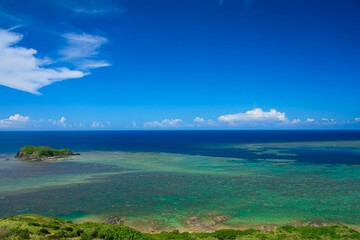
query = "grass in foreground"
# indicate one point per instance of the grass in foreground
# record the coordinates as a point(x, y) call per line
point(31, 226)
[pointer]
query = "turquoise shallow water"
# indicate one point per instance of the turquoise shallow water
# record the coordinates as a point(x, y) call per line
point(267, 183)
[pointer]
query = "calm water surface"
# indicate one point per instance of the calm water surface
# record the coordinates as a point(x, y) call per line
point(252, 177)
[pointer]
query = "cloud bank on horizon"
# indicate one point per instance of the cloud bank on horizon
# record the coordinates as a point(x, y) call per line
point(20, 122)
point(257, 117)
point(248, 119)
point(14, 121)
point(22, 70)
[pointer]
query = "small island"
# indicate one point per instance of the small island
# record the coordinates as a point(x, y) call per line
point(43, 153)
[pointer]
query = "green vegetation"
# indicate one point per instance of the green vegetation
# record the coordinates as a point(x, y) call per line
point(40, 152)
point(32, 226)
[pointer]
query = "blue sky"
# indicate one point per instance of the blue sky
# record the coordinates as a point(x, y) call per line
point(180, 64)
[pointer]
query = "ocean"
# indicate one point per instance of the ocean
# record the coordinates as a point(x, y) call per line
point(158, 180)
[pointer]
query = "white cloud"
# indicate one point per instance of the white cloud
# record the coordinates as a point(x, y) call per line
point(323, 121)
point(82, 49)
point(328, 121)
point(310, 120)
point(18, 121)
point(18, 118)
point(14, 121)
point(296, 121)
point(77, 125)
point(88, 64)
point(61, 122)
point(202, 122)
point(99, 124)
point(357, 120)
point(96, 124)
point(199, 120)
point(166, 123)
point(255, 115)
point(23, 71)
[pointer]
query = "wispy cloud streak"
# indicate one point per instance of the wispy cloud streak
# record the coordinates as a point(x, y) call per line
point(21, 69)
point(82, 49)
point(92, 7)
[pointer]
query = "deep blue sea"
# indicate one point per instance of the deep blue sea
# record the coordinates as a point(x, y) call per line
point(182, 142)
point(167, 177)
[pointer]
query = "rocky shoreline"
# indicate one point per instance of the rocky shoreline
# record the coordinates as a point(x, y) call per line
point(196, 225)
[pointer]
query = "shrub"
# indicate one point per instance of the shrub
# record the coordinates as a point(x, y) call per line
point(44, 231)
point(226, 234)
point(22, 233)
point(4, 232)
point(69, 229)
point(34, 224)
